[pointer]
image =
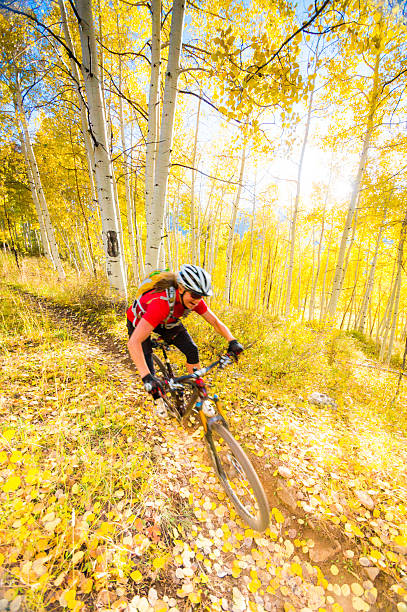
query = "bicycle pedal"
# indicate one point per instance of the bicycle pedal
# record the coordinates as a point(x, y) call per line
point(161, 408)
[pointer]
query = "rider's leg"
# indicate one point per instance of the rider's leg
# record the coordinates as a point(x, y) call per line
point(186, 345)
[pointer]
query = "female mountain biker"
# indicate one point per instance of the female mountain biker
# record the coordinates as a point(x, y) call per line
point(160, 309)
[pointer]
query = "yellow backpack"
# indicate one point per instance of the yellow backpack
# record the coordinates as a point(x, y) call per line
point(147, 285)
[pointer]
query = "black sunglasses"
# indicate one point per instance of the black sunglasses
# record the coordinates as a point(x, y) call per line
point(195, 295)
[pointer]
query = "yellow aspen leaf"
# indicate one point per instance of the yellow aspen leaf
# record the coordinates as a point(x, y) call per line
point(357, 531)
point(254, 585)
point(401, 540)
point(31, 476)
point(288, 607)
point(236, 571)
point(391, 556)
point(12, 484)
point(334, 570)
point(136, 576)
point(87, 585)
point(375, 554)
point(75, 488)
point(159, 562)
point(16, 456)
point(77, 556)
point(277, 515)
point(227, 547)
point(195, 598)
point(9, 434)
point(1, 559)
point(337, 608)
point(296, 569)
point(3, 457)
point(376, 541)
point(160, 606)
point(69, 597)
point(357, 589)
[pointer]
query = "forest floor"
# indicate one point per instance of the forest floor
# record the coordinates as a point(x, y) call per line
point(104, 507)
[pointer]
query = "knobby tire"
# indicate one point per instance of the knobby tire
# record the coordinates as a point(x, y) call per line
point(260, 519)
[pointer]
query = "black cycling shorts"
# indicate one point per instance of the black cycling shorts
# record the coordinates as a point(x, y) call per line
point(178, 336)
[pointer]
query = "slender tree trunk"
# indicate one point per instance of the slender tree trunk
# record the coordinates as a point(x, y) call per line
point(162, 166)
point(137, 230)
point(315, 279)
point(115, 263)
point(12, 242)
point(153, 109)
point(43, 233)
point(193, 212)
point(260, 273)
point(382, 323)
point(370, 281)
point(296, 204)
point(340, 272)
point(83, 111)
point(270, 287)
point(53, 247)
point(127, 169)
point(84, 215)
point(231, 236)
point(249, 274)
point(397, 289)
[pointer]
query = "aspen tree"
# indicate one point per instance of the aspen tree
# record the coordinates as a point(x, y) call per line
point(77, 82)
point(40, 216)
point(370, 281)
point(115, 264)
point(155, 222)
point(194, 254)
point(232, 225)
point(153, 109)
point(49, 229)
point(370, 125)
point(296, 203)
point(392, 318)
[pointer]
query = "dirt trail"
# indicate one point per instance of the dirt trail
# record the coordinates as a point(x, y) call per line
point(297, 565)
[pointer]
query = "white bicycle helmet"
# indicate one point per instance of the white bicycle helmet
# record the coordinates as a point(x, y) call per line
point(195, 279)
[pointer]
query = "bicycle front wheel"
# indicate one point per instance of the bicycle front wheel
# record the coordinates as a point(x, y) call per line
point(171, 398)
point(238, 477)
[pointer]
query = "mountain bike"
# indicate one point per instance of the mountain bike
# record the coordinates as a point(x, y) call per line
point(186, 396)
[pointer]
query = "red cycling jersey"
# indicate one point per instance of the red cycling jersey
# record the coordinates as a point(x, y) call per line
point(157, 309)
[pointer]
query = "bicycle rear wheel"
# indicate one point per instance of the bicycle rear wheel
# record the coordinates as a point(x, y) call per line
point(238, 477)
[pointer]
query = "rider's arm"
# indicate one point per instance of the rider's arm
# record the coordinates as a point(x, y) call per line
point(218, 325)
point(141, 333)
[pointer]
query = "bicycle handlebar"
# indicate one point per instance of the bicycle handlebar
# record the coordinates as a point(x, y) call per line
point(223, 361)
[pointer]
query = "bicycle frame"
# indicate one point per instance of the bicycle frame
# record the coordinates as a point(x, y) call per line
point(200, 393)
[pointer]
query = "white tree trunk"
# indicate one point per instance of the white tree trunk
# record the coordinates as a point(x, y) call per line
point(339, 271)
point(193, 222)
point(40, 216)
point(115, 264)
point(53, 247)
point(153, 109)
point(370, 281)
point(126, 168)
point(156, 223)
point(229, 248)
point(296, 204)
point(84, 116)
point(396, 299)
point(249, 273)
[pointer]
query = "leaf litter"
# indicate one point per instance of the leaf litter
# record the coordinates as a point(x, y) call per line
point(104, 508)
